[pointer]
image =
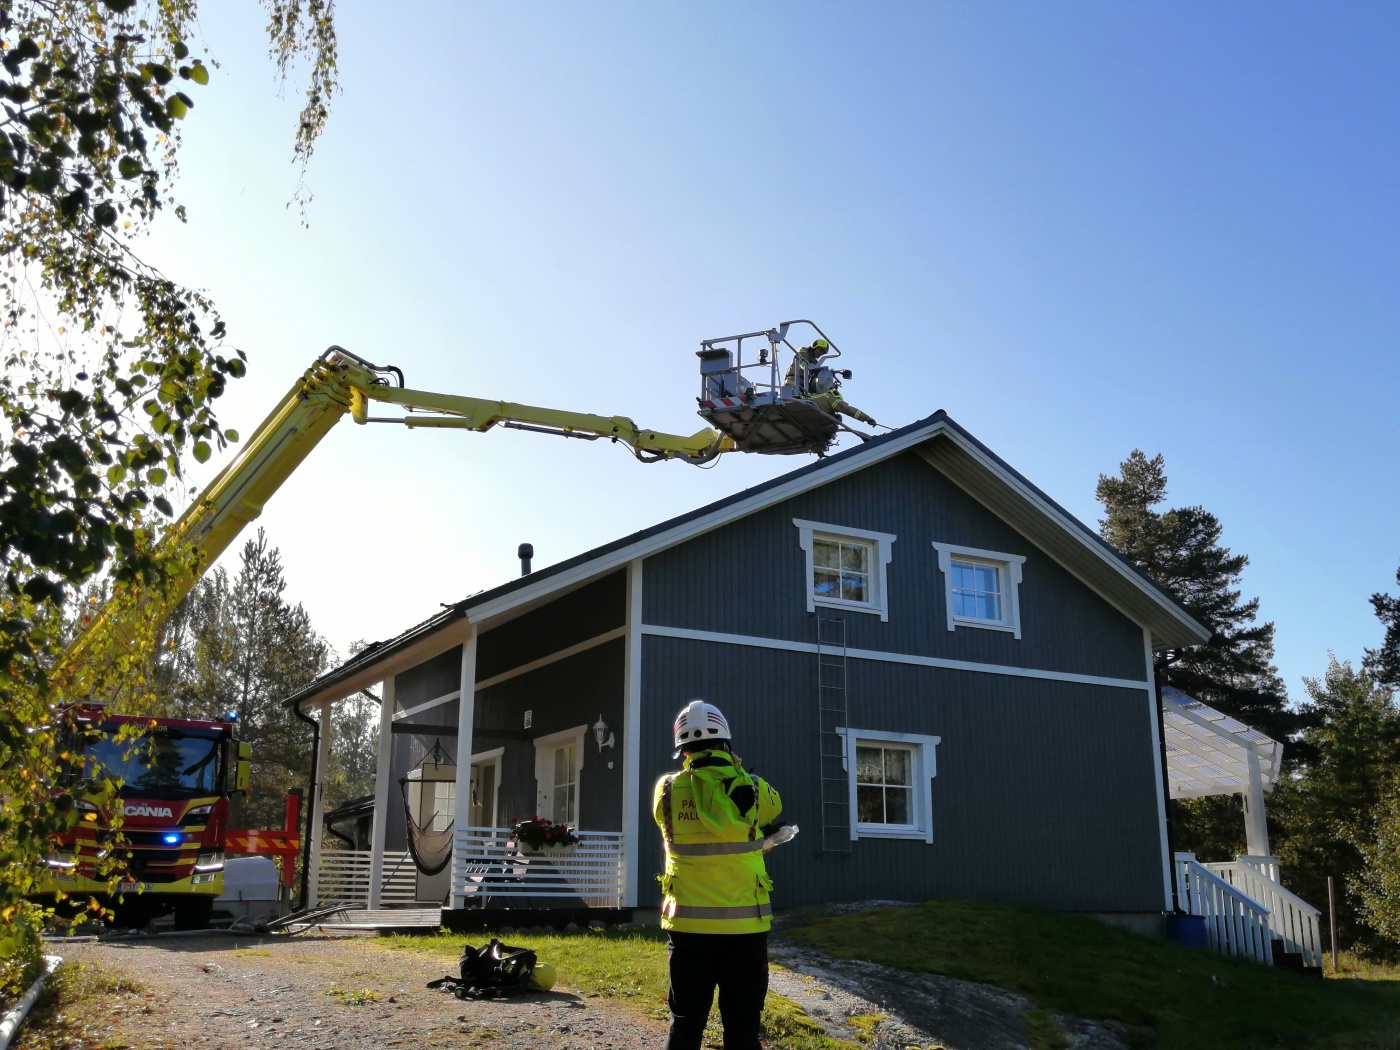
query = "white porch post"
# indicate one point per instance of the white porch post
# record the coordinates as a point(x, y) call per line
point(632, 734)
point(316, 817)
point(466, 718)
point(1158, 773)
point(382, 770)
point(1256, 826)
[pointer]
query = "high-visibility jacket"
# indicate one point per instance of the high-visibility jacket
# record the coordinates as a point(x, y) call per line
point(710, 814)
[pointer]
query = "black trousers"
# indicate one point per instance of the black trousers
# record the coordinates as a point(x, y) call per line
point(735, 962)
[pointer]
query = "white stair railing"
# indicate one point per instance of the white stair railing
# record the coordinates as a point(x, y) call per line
point(490, 870)
point(1292, 920)
point(1236, 924)
point(345, 877)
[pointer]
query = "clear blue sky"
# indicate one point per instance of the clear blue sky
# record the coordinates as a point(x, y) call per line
point(1080, 228)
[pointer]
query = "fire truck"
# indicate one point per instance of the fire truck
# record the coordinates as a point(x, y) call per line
point(166, 852)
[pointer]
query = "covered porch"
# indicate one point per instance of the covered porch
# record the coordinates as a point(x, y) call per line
point(545, 731)
point(1246, 909)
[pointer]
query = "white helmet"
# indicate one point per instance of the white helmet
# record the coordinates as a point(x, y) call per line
point(699, 721)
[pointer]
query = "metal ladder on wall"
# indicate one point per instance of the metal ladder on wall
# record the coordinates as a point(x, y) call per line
point(832, 714)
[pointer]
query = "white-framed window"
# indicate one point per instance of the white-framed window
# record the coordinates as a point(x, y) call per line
point(846, 568)
point(981, 588)
point(558, 763)
point(891, 783)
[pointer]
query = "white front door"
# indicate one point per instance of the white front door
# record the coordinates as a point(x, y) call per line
point(558, 767)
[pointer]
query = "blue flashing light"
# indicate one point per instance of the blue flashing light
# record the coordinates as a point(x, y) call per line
point(231, 716)
point(171, 838)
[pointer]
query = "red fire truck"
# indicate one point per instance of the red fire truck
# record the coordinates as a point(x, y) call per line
point(167, 853)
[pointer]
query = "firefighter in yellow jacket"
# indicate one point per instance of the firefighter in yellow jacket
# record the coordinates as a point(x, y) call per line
point(713, 816)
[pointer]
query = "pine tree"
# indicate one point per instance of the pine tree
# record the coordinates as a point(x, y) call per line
point(235, 644)
point(1180, 549)
point(1384, 663)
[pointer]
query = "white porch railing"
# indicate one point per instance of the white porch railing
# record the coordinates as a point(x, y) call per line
point(1292, 920)
point(345, 877)
point(1236, 924)
point(488, 870)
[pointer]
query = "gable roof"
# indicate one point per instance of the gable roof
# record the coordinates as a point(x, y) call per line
point(937, 439)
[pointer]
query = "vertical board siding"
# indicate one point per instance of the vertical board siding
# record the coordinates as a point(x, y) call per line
point(429, 680)
point(1045, 791)
point(409, 748)
point(572, 618)
point(748, 577)
point(571, 692)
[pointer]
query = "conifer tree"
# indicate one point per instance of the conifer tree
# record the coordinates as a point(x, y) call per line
point(235, 644)
point(1384, 663)
point(1180, 550)
point(1329, 805)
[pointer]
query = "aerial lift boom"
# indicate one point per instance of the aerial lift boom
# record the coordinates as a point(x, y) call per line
point(340, 382)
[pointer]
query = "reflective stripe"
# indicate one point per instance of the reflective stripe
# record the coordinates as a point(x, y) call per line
point(713, 849)
point(667, 832)
point(742, 911)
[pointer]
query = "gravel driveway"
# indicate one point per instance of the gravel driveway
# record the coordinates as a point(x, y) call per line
point(310, 991)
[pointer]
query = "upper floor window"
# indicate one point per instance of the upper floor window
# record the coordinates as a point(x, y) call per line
point(846, 567)
point(981, 587)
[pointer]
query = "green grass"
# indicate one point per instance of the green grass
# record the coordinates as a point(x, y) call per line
point(628, 966)
point(82, 1006)
point(1168, 997)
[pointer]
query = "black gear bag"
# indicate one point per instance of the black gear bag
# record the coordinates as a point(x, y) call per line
point(493, 971)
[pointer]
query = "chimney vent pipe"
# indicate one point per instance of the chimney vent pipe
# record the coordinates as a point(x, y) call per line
point(526, 551)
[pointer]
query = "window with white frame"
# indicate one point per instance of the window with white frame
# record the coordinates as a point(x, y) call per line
point(846, 568)
point(891, 783)
point(558, 763)
point(981, 588)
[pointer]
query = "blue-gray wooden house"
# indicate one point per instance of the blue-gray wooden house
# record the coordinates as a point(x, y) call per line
point(947, 676)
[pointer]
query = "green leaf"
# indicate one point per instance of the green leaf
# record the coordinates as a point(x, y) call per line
point(231, 434)
point(181, 51)
point(156, 476)
point(200, 73)
point(129, 167)
point(163, 505)
point(201, 451)
point(115, 473)
point(178, 106)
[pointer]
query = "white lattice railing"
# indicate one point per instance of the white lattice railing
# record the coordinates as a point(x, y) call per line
point(345, 877)
point(489, 870)
point(1292, 920)
point(1236, 924)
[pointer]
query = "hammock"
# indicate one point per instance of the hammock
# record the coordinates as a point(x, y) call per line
point(431, 850)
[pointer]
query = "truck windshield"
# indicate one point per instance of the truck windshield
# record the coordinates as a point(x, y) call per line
point(166, 761)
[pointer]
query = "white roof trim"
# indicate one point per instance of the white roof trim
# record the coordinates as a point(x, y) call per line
point(1072, 527)
point(705, 523)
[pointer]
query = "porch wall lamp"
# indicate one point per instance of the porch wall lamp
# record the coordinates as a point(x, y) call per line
point(602, 734)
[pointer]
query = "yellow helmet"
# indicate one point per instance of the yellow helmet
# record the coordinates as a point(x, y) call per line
point(542, 978)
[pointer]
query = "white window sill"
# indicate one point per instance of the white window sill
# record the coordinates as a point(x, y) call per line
point(986, 625)
point(891, 831)
point(849, 606)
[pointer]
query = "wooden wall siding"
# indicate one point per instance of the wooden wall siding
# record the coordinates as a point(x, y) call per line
point(1045, 791)
point(568, 620)
point(561, 695)
point(429, 680)
point(436, 725)
point(748, 578)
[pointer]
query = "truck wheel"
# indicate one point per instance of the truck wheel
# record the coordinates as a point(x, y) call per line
point(193, 914)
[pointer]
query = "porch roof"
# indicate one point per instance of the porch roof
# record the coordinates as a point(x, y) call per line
point(1208, 751)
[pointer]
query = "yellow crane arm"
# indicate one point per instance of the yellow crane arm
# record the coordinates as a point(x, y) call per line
point(337, 383)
